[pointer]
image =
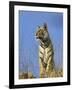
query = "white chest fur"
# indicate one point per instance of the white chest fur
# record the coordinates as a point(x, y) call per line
point(45, 53)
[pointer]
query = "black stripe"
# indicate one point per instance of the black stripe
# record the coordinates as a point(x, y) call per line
point(50, 50)
point(43, 63)
point(41, 52)
point(42, 46)
point(41, 58)
point(50, 56)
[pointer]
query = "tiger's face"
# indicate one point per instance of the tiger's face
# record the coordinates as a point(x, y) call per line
point(42, 33)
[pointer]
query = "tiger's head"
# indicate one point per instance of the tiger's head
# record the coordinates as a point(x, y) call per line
point(42, 33)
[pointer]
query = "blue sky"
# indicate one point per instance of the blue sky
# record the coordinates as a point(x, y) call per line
point(28, 46)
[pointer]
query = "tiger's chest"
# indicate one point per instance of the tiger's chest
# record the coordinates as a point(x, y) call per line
point(45, 53)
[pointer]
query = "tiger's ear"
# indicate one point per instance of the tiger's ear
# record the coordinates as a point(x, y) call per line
point(45, 26)
point(38, 27)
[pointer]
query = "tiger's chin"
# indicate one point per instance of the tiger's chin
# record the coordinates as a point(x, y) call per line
point(37, 39)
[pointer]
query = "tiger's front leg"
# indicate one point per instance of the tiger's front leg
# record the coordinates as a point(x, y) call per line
point(42, 70)
point(41, 63)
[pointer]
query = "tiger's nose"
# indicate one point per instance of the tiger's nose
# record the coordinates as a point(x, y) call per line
point(36, 36)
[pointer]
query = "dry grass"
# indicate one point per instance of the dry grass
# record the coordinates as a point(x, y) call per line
point(50, 74)
point(54, 73)
point(25, 75)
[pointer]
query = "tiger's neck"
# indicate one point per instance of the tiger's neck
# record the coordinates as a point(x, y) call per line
point(45, 43)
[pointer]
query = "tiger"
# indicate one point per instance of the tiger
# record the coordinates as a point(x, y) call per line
point(46, 51)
